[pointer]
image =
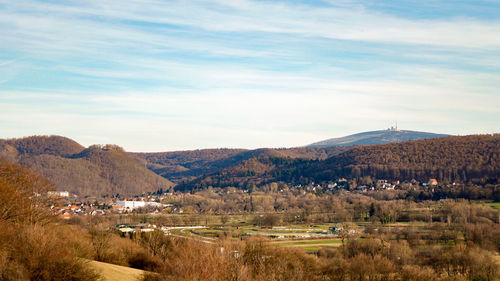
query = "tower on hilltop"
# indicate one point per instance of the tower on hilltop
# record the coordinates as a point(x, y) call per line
point(394, 129)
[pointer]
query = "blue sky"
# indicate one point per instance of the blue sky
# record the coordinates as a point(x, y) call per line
point(168, 75)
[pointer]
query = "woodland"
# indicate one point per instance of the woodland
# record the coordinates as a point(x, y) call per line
point(457, 240)
point(107, 169)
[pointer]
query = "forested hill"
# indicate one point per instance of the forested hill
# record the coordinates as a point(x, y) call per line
point(182, 166)
point(38, 145)
point(462, 159)
point(97, 170)
point(377, 137)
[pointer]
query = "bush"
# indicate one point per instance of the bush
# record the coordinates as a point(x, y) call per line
point(39, 253)
point(145, 261)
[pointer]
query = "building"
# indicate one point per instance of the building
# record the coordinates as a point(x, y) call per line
point(58, 193)
point(132, 205)
point(433, 182)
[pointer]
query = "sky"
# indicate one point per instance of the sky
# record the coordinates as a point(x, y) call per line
point(154, 75)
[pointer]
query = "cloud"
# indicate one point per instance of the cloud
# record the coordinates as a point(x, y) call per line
point(253, 118)
point(191, 74)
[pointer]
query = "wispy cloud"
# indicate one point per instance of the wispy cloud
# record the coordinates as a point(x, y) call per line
point(216, 73)
point(338, 22)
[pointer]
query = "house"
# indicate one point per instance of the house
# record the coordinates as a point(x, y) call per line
point(362, 188)
point(132, 205)
point(433, 182)
point(337, 228)
point(385, 184)
point(332, 185)
point(97, 212)
point(65, 216)
point(58, 193)
point(125, 230)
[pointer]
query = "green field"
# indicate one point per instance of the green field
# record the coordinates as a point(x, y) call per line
point(309, 242)
point(310, 245)
point(495, 205)
point(315, 249)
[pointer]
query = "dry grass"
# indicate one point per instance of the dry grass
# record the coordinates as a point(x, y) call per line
point(113, 272)
point(497, 259)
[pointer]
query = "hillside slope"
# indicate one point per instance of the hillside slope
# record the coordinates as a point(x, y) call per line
point(182, 166)
point(113, 272)
point(463, 159)
point(94, 171)
point(377, 137)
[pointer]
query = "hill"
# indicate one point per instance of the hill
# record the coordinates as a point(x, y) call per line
point(463, 159)
point(251, 172)
point(39, 145)
point(113, 272)
point(377, 137)
point(187, 165)
point(182, 166)
point(99, 170)
point(94, 171)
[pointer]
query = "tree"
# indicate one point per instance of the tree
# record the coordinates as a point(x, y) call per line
point(224, 219)
point(271, 219)
point(23, 195)
point(100, 242)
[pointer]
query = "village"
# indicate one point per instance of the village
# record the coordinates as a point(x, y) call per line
point(66, 205)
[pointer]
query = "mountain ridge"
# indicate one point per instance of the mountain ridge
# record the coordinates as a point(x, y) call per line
point(377, 137)
point(182, 166)
point(473, 158)
point(109, 169)
point(96, 170)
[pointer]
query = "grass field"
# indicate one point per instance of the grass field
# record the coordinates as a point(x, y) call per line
point(315, 249)
point(495, 205)
point(312, 245)
point(113, 272)
point(497, 259)
point(309, 242)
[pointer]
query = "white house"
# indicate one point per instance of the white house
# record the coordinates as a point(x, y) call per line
point(131, 205)
point(58, 193)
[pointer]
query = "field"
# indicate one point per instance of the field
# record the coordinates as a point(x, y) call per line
point(312, 245)
point(113, 272)
point(310, 237)
point(495, 205)
point(275, 233)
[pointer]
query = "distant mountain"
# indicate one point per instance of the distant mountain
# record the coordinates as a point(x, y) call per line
point(464, 159)
point(377, 137)
point(99, 170)
point(458, 158)
point(96, 170)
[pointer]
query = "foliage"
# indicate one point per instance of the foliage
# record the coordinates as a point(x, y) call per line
point(465, 159)
point(461, 159)
point(96, 171)
point(182, 166)
point(32, 248)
